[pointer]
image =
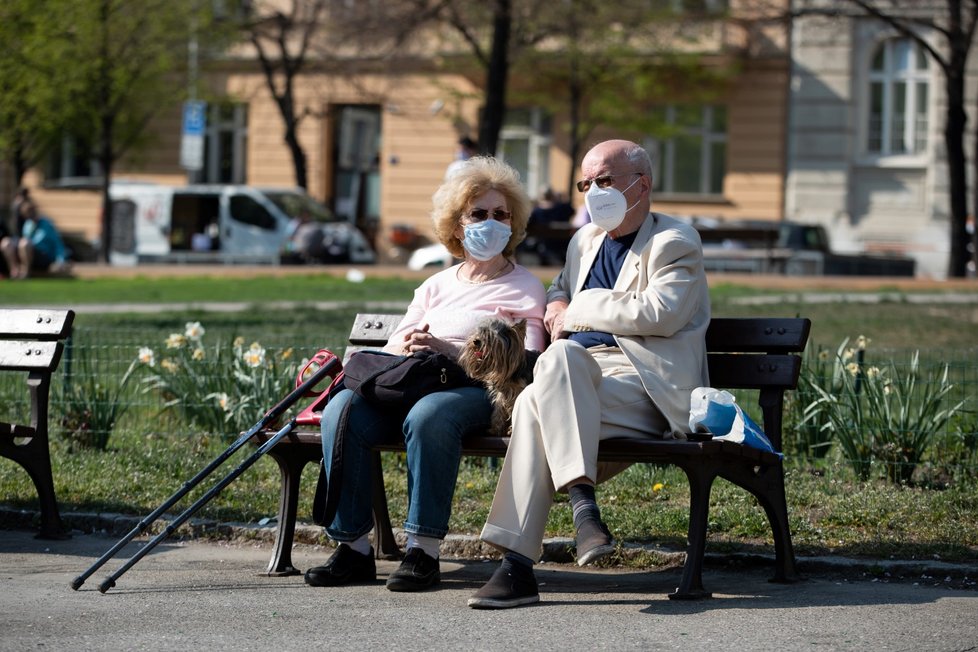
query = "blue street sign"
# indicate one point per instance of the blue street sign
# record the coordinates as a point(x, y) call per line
point(194, 118)
point(192, 138)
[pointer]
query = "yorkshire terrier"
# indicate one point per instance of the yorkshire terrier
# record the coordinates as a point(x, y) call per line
point(495, 356)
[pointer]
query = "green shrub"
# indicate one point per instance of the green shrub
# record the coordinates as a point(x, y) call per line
point(220, 389)
point(94, 400)
point(885, 413)
point(808, 432)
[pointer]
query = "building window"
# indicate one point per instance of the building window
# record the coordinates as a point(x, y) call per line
point(898, 95)
point(72, 165)
point(225, 146)
point(524, 143)
point(692, 159)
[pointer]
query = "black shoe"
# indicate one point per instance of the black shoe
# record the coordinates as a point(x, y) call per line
point(593, 542)
point(345, 566)
point(507, 588)
point(418, 571)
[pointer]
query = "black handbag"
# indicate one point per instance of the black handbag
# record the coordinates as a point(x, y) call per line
point(395, 382)
point(399, 381)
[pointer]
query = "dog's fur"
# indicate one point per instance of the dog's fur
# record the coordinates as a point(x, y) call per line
point(495, 356)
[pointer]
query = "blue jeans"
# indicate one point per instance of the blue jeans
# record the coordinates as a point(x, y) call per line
point(432, 430)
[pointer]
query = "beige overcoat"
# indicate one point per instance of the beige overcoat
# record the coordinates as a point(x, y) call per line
point(658, 311)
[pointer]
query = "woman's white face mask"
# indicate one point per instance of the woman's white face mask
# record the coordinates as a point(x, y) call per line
point(607, 206)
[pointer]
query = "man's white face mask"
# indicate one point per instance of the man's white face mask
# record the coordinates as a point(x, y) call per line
point(607, 206)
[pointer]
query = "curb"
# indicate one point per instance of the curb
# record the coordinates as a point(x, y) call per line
point(557, 550)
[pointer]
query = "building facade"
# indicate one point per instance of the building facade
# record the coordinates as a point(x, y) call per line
point(866, 154)
point(377, 144)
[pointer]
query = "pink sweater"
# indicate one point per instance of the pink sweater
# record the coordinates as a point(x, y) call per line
point(453, 308)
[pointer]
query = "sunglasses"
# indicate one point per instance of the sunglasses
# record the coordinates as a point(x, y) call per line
point(603, 181)
point(482, 214)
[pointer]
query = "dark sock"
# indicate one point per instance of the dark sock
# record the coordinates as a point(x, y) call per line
point(516, 563)
point(583, 503)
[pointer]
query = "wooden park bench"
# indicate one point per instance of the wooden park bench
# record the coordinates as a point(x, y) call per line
point(31, 341)
point(744, 354)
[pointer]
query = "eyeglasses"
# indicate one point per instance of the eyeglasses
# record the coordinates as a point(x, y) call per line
point(482, 214)
point(603, 181)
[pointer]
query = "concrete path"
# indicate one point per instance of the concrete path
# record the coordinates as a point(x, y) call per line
point(212, 596)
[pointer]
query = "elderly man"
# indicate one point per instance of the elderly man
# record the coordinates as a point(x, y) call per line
point(627, 315)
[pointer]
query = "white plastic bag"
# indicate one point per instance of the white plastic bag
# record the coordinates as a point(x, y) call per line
point(716, 411)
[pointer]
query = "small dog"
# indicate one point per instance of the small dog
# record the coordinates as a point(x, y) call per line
point(495, 356)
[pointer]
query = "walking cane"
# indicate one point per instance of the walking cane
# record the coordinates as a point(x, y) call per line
point(327, 363)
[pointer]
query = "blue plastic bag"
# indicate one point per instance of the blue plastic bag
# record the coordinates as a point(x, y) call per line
point(716, 411)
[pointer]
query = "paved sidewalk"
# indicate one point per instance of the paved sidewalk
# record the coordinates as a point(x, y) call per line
point(192, 596)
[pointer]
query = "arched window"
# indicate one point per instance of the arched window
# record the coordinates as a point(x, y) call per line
point(898, 96)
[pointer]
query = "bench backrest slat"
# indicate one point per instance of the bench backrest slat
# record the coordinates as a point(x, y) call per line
point(758, 335)
point(36, 324)
point(725, 334)
point(754, 371)
point(19, 355)
point(373, 328)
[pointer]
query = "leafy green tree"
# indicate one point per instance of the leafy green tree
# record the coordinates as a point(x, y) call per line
point(28, 118)
point(613, 64)
point(104, 68)
point(281, 34)
point(467, 36)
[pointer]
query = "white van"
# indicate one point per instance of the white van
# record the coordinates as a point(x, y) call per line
point(222, 223)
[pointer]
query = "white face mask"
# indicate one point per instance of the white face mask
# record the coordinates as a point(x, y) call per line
point(485, 240)
point(607, 206)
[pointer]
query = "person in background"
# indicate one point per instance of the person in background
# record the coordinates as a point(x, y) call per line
point(479, 215)
point(15, 223)
point(306, 238)
point(38, 248)
point(467, 148)
point(581, 217)
point(627, 316)
point(549, 230)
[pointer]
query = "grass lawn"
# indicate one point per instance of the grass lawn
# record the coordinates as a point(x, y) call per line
point(150, 455)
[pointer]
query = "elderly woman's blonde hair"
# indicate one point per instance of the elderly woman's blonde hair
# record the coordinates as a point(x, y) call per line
point(478, 176)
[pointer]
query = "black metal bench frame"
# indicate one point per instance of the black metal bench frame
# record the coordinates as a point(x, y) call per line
point(32, 341)
point(743, 353)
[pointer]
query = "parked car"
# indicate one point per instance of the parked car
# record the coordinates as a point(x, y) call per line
point(791, 248)
point(222, 223)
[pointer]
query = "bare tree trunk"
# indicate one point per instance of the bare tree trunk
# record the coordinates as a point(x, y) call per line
point(576, 97)
point(19, 163)
point(287, 107)
point(973, 236)
point(105, 141)
point(956, 167)
point(492, 122)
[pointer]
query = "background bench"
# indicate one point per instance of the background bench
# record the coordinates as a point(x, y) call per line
point(744, 353)
point(32, 341)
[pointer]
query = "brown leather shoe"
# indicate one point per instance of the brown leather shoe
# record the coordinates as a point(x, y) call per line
point(593, 542)
point(505, 589)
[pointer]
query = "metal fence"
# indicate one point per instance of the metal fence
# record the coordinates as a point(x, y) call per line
point(111, 378)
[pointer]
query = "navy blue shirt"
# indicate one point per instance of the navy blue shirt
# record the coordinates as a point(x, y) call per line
point(604, 272)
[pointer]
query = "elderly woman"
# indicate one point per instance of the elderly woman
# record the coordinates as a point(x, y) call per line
point(480, 214)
